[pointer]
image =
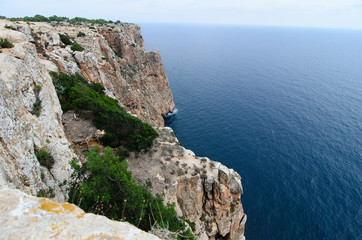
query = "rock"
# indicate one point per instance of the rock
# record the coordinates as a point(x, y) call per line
point(116, 58)
point(21, 74)
point(26, 217)
point(189, 196)
point(205, 192)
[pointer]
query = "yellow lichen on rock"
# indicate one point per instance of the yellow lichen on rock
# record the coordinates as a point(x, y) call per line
point(63, 208)
point(26, 217)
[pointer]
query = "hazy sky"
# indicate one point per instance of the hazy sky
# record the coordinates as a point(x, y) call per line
point(317, 13)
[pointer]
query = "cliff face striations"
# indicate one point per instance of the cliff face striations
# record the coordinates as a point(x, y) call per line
point(114, 56)
point(204, 191)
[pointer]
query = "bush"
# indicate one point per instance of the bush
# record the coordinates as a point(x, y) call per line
point(44, 158)
point(58, 19)
point(121, 128)
point(5, 43)
point(118, 53)
point(9, 27)
point(77, 47)
point(80, 34)
point(36, 108)
point(65, 39)
point(103, 185)
point(48, 193)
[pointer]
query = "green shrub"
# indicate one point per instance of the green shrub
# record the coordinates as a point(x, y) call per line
point(77, 47)
point(118, 53)
point(9, 27)
point(5, 43)
point(36, 108)
point(44, 158)
point(80, 34)
point(103, 185)
point(65, 39)
point(121, 128)
point(75, 21)
point(58, 19)
point(36, 18)
point(92, 27)
point(48, 193)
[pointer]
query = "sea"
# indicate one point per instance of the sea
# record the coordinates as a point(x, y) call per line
point(283, 107)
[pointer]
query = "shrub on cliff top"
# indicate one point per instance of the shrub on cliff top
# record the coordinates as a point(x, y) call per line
point(121, 128)
point(80, 34)
point(103, 185)
point(77, 47)
point(9, 27)
point(5, 43)
point(65, 39)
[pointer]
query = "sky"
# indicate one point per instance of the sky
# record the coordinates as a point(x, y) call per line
point(307, 13)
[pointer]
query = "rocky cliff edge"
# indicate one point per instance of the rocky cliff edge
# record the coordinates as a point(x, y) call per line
point(205, 192)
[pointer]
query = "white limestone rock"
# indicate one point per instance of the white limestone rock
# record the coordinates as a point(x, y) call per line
point(26, 217)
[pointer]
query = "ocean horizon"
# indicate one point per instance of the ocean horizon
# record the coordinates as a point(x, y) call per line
point(283, 107)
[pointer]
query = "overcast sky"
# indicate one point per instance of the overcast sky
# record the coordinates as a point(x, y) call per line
point(315, 13)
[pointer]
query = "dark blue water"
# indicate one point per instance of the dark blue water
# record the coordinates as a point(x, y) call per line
point(283, 107)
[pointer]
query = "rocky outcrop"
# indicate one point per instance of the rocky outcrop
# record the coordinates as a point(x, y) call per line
point(24, 80)
point(114, 56)
point(205, 192)
point(26, 217)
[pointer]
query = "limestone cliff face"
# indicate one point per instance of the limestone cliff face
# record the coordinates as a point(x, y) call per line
point(26, 217)
point(205, 192)
point(24, 78)
point(114, 56)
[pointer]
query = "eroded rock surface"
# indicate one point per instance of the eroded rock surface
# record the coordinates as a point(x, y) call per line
point(24, 79)
point(114, 56)
point(205, 192)
point(26, 217)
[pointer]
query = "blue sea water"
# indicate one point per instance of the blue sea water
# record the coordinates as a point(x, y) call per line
point(283, 107)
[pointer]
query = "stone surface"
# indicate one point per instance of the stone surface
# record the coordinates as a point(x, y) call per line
point(205, 192)
point(21, 72)
point(26, 217)
point(134, 77)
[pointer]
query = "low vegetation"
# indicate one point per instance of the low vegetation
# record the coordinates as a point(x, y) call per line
point(76, 47)
point(37, 105)
point(36, 108)
point(44, 158)
point(103, 185)
point(67, 40)
point(54, 18)
point(10, 27)
point(46, 192)
point(5, 43)
point(122, 129)
point(80, 34)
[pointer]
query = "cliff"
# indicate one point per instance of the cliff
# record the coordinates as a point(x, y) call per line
point(205, 192)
